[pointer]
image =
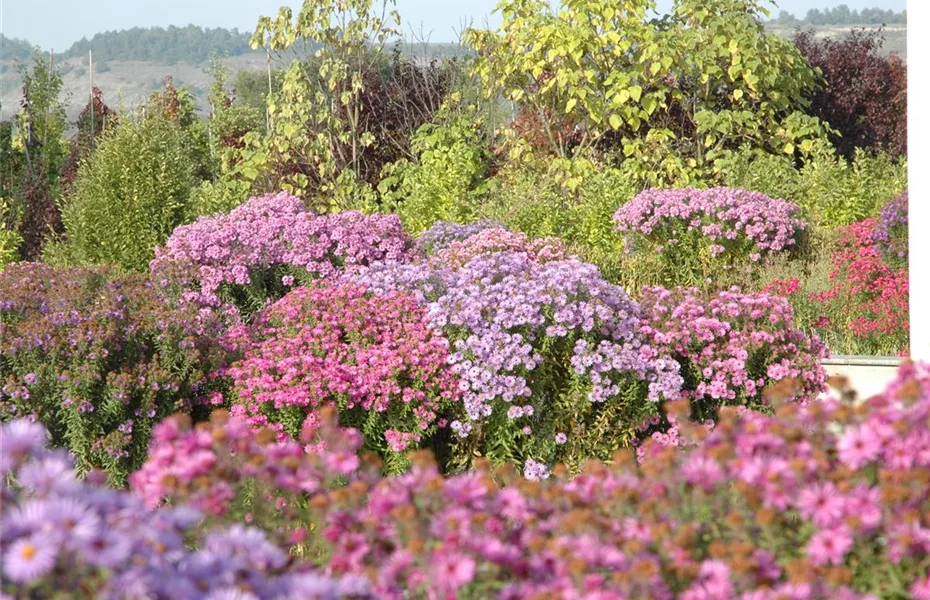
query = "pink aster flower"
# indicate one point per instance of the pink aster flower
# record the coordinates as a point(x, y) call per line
point(452, 570)
point(920, 589)
point(822, 504)
point(829, 546)
point(858, 446)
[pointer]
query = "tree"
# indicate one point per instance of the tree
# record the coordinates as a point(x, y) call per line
point(130, 193)
point(40, 127)
point(94, 119)
point(675, 94)
point(865, 96)
point(347, 38)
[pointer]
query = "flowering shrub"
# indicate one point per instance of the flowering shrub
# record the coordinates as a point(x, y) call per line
point(550, 360)
point(731, 345)
point(690, 235)
point(263, 247)
point(66, 538)
point(373, 356)
point(231, 473)
point(868, 298)
point(890, 233)
point(820, 501)
point(441, 234)
point(498, 239)
point(98, 359)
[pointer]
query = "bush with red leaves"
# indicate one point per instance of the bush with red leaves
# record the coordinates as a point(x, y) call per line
point(95, 117)
point(865, 97)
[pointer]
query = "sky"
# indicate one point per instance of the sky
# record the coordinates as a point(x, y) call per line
point(56, 24)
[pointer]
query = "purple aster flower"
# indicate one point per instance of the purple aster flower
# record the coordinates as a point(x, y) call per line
point(52, 472)
point(28, 559)
point(22, 436)
point(535, 470)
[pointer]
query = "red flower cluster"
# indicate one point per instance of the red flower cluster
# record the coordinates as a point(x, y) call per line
point(862, 279)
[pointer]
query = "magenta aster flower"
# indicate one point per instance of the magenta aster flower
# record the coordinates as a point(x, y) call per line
point(829, 546)
point(858, 446)
point(453, 570)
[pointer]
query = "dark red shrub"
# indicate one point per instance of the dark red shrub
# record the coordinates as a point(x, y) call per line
point(865, 97)
point(92, 121)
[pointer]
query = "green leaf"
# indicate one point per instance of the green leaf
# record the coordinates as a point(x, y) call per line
point(615, 121)
point(636, 92)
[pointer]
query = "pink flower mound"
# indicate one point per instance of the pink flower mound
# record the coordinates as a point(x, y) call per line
point(794, 518)
point(372, 355)
point(187, 463)
point(731, 221)
point(731, 345)
point(268, 238)
point(497, 239)
point(820, 501)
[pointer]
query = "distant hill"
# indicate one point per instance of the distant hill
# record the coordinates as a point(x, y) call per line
point(842, 16)
point(190, 44)
point(895, 36)
point(12, 48)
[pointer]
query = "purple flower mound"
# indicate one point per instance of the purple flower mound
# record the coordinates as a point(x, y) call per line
point(61, 533)
point(890, 233)
point(728, 223)
point(539, 348)
point(262, 248)
point(441, 234)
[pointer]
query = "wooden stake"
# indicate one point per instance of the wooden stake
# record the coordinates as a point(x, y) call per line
point(93, 119)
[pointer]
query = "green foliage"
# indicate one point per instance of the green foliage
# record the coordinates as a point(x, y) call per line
point(35, 155)
point(211, 198)
point(229, 121)
point(42, 121)
point(447, 177)
point(10, 238)
point(832, 191)
point(531, 199)
point(676, 95)
point(252, 87)
point(347, 37)
point(130, 194)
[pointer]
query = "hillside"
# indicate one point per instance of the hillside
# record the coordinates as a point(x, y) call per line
point(131, 64)
point(895, 35)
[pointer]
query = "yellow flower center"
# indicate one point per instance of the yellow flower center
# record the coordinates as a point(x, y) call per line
point(28, 551)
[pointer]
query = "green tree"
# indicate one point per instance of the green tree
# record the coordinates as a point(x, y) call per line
point(39, 141)
point(675, 94)
point(129, 194)
point(316, 132)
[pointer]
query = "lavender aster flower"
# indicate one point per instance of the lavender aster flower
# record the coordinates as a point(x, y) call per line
point(28, 559)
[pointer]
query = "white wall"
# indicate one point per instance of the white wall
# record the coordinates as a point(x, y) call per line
point(918, 150)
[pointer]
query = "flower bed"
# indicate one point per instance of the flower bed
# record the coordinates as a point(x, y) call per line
point(258, 252)
point(689, 235)
point(732, 345)
point(548, 355)
point(373, 356)
point(98, 359)
point(67, 538)
point(818, 501)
